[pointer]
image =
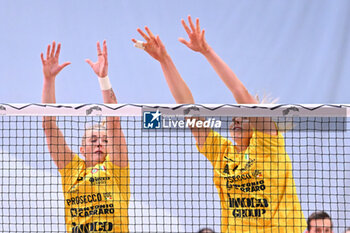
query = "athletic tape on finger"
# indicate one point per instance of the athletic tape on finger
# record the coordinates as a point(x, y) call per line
point(139, 44)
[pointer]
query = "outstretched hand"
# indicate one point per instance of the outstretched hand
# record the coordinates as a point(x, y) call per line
point(101, 66)
point(51, 66)
point(197, 41)
point(153, 45)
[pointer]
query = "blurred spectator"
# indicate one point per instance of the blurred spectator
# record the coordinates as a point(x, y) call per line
point(206, 230)
point(319, 222)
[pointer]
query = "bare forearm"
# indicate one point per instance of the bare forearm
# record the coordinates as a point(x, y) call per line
point(49, 122)
point(113, 123)
point(117, 147)
point(177, 85)
point(230, 79)
point(109, 97)
point(48, 95)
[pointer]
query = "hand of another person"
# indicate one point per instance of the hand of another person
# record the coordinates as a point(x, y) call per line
point(153, 45)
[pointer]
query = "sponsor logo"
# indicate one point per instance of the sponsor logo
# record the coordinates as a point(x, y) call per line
point(243, 213)
point(84, 199)
point(247, 207)
point(248, 165)
point(92, 227)
point(108, 196)
point(93, 210)
point(2, 110)
point(251, 187)
point(99, 180)
point(93, 171)
point(73, 189)
point(230, 180)
point(289, 110)
point(257, 174)
point(192, 108)
point(94, 108)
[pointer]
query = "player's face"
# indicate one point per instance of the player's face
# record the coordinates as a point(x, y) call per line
point(321, 226)
point(95, 146)
point(240, 129)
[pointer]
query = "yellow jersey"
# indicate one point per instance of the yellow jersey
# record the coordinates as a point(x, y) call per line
point(96, 198)
point(256, 187)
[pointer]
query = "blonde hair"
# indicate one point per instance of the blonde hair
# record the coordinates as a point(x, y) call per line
point(266, 99)
point(101, 126)
point(287, 123)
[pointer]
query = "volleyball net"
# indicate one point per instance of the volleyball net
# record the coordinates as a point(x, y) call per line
point(173, 187)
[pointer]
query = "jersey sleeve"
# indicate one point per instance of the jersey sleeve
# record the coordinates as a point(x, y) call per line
point(121, 175)
point(215, 147)
point(268, 144)
point(70, 173)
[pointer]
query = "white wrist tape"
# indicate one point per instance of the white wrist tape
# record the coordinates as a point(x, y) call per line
point(105, 84)
point(139, 44)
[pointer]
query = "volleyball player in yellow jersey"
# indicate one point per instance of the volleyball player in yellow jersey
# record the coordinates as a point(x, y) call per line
point(253, 177)
point(96, 190)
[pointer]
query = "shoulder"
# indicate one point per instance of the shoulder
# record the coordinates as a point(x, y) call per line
point(265, 139)
point(109, 163)
point(216, 136)
point(75, 163)
point(215, 142)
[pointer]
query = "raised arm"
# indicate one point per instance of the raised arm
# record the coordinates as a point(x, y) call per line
point(178, 88)
point(59, 150)
point(198, 43)
point(117, 147)
point(156, 49)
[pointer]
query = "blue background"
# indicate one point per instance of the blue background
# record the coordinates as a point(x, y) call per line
point(296, 51)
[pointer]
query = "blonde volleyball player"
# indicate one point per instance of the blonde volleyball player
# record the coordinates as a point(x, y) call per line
point(96, 189)
point(253, 177)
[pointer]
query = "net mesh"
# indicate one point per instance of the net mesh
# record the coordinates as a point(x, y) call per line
point(173, 187)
